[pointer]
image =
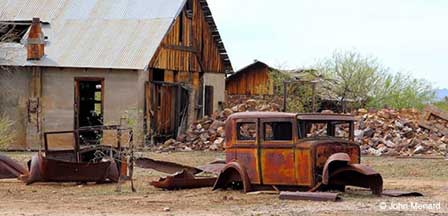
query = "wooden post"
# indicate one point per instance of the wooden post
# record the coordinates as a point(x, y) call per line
point(285, 95)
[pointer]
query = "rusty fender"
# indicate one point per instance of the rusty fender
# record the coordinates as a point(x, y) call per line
point(183, 180)
point(164, 166)
point(10, 168)
point(231, 173)
point(339, 172)
point(43, 169)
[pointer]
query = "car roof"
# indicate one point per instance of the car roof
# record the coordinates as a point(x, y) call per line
point(300, 116)
point(325, 117)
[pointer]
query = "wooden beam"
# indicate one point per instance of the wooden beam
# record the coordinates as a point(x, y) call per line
point(180, 48)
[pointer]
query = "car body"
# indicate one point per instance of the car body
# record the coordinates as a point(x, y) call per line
point(270, 149)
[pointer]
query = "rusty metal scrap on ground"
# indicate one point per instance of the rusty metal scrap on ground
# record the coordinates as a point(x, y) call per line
point(183, 180)
point(9, 168)
point(314, 196)
point(43, 169)
point(165, 166)
point(99, 163)
point(182, 176)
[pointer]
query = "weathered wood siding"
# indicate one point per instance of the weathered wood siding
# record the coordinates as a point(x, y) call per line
point(253, 80)
point(193, 49)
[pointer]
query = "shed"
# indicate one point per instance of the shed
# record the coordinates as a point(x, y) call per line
point(253, 79)
point(154, 64)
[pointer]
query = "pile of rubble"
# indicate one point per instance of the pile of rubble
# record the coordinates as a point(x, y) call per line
point(208, 134)
point(406, 132)
point(400, 133)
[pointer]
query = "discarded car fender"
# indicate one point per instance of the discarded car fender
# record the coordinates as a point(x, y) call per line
point(335, 161)
point(358, 175)
point(183, 180)
point(232, 172)
point(10, 168)
point(35, 169)
point(165, 166)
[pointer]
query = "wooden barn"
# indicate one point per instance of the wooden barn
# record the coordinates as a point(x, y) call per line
point(154, 64)
point(253, 79)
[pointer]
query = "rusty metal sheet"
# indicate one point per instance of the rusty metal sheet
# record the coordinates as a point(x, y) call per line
point(10, 168)
point(314, 196)
point(165, 166)
point(43, 169)
point(183, 180)
point(397, 193)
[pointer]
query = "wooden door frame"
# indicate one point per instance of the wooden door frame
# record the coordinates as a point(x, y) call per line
point(76, 99)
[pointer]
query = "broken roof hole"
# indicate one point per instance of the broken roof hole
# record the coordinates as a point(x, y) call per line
point(13, 31)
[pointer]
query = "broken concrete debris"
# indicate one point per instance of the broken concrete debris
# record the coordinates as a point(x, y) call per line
point(400, 133)
point(405, 132)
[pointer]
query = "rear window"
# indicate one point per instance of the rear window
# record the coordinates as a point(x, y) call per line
point(324, 129)
point(246, 131)
point(277, 131)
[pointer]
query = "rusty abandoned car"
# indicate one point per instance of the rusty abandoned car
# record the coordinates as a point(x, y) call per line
point(70, 157)
point(289, 151)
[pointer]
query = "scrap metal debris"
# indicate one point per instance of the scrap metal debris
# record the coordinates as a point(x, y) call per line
point(9, 168)
point(44, 169)
point(183, 180)
point(165, 166)
point(338, 170)
point(314, 196)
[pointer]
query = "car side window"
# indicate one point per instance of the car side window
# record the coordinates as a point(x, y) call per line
point(277, 131)
point(246, 131)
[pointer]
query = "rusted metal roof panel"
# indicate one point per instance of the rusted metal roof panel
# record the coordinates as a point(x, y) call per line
point(121, 34)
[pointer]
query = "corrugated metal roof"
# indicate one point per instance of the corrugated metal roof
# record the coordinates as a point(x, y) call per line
point(93, 33)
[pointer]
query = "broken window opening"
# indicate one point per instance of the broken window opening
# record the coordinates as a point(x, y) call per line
point(13, 32)
point(246, 131)
point(324, 129)
point(276, 131)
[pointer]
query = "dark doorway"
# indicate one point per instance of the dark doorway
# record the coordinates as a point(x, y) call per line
point(208, 100)
point(89, 97)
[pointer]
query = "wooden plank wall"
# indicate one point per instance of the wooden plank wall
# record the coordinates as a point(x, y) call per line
point(253, 80)
point(201, 45)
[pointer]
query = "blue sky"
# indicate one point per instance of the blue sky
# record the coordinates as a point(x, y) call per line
point(405, 35)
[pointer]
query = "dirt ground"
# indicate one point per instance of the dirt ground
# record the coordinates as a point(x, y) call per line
point(424, 175)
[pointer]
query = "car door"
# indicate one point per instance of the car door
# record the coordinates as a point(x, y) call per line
point(246, 145)
point(277, 151)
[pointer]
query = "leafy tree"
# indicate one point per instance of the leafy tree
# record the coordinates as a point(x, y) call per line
point(363, 80)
